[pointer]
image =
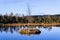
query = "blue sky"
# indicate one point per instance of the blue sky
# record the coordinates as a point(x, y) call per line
point(37, 7)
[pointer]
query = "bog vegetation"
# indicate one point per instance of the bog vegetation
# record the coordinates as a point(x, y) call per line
point(5, 19)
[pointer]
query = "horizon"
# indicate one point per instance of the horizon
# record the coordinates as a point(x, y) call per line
point(37, 7)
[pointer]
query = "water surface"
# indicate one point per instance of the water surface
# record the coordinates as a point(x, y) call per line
point(47, 33)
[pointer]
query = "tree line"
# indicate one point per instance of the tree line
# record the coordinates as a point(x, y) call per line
point(30, 19)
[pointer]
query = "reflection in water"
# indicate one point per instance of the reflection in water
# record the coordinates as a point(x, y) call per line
point(8, 29)
point(12, 33)
point(49, 28)
point(12, 29)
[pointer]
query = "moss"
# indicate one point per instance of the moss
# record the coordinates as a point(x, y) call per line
point(29, 31)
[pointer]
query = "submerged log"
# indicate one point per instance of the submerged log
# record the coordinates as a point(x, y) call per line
point(30, 31)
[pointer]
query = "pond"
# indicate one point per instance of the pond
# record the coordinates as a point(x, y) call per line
point(47, 33)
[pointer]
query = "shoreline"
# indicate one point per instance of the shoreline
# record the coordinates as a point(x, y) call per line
point(31, 24)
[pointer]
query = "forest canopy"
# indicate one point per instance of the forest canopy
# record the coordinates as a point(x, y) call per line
point(30, 19)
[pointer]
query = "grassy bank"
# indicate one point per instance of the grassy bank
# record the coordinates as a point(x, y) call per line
point(31, 24)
